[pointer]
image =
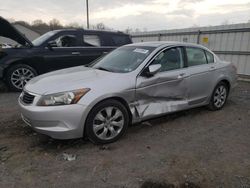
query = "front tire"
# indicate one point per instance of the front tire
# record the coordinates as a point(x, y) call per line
point(107, 122)
point(18, 75)
point(219, 96)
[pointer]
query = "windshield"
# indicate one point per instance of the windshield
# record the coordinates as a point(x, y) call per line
point(43, 38)
point(124, 59)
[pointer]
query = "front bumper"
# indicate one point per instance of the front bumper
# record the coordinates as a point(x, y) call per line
point(59, 122)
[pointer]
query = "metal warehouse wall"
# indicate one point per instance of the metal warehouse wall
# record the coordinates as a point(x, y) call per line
point(229, 42)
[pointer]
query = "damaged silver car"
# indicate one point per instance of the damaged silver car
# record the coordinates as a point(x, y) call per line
point(133, 83)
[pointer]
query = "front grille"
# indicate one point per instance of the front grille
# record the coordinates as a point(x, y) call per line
point(27, 98)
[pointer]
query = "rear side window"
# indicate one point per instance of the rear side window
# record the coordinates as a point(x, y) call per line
point(195, 56)
point(210, 57)
point(92, 40)
point(120, 40)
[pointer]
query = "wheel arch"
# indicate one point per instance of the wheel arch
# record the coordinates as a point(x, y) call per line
point(228, 85)
point(226, 81)
point(117, 98)
point(19, 62)
point(223, 79)
point(125, 104)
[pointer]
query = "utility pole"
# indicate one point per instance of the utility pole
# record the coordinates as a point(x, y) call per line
point(87, 6)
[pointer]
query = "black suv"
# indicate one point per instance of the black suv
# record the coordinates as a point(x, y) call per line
point(54, 50)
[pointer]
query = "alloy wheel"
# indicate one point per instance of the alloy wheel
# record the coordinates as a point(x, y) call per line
point(108, 123)
point(220, 96)
point(20, 77)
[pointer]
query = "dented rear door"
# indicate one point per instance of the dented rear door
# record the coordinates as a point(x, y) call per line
point(166, 91)
point(201, 76)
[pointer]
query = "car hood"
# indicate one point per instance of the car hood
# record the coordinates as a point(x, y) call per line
point(8, 31)
point(66, 80)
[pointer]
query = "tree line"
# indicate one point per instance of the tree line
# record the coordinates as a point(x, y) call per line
point(42, 27)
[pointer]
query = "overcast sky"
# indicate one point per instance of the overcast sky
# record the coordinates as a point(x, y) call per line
point(121, 14)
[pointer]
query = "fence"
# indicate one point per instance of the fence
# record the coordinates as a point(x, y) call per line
point(229, 42)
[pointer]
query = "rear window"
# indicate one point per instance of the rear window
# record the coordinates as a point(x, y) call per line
point(92, 40)
point(195, 56)
point(120, 40)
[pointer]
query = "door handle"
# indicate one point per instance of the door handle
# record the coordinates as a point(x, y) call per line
point(75, 53)
point(180, 76)
point(212, 68)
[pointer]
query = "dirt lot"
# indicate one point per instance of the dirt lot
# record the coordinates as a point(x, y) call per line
point(195, 148)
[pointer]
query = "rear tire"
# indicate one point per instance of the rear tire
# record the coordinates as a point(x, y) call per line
point(219, 96)
point(18, 75)
point(107, 122)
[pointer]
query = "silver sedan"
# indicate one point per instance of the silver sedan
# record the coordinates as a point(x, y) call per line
point(131, 84)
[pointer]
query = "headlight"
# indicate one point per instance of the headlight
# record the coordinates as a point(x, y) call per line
point(64, 98)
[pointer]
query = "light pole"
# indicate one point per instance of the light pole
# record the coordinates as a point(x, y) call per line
point(87, 6)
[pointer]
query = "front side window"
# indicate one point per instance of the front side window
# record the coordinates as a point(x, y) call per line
point(210, 57)
point(195, 56)
point(40, 40)
point(92, 40)
point(66, 41)
point(170, 59)
point(124, 59)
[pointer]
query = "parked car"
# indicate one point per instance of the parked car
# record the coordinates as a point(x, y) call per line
point(52, 51)
point(133, 83)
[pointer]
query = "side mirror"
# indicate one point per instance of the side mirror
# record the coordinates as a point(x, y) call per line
point(52, 44)
point(152, 70)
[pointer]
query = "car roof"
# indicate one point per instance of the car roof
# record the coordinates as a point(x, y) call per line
point(94, 31)
point(157, 44)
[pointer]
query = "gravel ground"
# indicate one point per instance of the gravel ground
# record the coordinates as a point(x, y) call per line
point(3, 87)
point(194, 148)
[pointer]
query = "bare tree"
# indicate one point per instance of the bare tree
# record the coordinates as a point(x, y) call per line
point(40, 26)
point(73, 25)
point(37, 22)
point(55, 24)
point(128, 30)
point(26, 24)
point(100, 26)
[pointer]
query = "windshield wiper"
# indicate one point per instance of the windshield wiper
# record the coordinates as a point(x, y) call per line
point(104, 69)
